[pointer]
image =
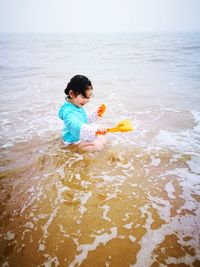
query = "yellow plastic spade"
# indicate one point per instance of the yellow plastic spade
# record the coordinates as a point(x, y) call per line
point(123, 126)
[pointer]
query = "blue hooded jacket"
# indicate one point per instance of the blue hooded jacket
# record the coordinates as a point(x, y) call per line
point(73, 118)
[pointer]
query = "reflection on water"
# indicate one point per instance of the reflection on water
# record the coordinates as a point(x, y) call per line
point(68, 209)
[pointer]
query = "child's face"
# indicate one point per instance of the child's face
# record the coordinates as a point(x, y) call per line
point(80, 100)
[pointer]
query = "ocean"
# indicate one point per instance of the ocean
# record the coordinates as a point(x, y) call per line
point(136, 203)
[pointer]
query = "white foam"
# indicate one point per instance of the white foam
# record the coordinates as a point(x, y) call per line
point(63, 231)
point(106, 209)
point(29, 225)
point(48, 223)
point(109, 178)
point(184, 140)
point(194, 164)
point(196, 116)
point(85, 184)
point(85, 248)
point(41, 247)
point(181, 225)
point(132, 238)
point(78, 176)
point(127, 216)
point(170, 190)
point(155, 161)
point(75, 159)
point(188, 260)
point(111, 196)
point(51, 261)
point(9, 235)
point(191, 179)
point(83, 200)
point(162, 205)
point(128, 225)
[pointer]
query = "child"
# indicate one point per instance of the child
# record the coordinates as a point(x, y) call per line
point(77, 131)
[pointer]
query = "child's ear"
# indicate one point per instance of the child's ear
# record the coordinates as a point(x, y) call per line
point(71, 94)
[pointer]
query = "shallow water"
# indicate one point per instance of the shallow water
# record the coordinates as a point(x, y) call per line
point(134, 204)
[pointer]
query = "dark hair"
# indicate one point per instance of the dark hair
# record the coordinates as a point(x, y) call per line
point(79, 84)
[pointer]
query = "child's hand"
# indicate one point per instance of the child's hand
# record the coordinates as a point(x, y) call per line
point(101, 110)
point(101, 130)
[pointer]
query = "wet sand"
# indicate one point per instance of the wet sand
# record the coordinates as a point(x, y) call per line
point(118, 207)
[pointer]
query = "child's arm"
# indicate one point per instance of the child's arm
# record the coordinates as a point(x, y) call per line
point(92, 117)
point(88, 132)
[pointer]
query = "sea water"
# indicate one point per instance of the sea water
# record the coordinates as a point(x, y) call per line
point(136, 203)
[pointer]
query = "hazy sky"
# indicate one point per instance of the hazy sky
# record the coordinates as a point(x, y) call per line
point(99, 15)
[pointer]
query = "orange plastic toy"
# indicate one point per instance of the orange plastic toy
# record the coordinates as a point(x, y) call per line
point(101, 110)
